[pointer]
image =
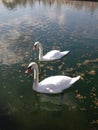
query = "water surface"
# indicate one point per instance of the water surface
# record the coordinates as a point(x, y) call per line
point(60, 25)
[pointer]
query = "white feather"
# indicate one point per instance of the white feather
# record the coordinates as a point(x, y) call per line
point(52, 55)
point(53, 84)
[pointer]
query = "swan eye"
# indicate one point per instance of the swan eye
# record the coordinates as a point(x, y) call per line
point(29, 68)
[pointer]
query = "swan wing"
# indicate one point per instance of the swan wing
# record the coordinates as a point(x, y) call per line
point(55, 84)
point(54, 54)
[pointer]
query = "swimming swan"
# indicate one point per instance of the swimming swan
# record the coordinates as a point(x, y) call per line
point(50, 85)
point(50, 56)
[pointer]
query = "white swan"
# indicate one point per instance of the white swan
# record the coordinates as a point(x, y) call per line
point(53, 84)
point(52, 55)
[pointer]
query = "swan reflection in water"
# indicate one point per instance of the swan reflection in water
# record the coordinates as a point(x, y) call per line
point(57, 102)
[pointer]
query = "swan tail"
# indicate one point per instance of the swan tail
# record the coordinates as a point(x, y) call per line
point(65, 52)
point(75, 79)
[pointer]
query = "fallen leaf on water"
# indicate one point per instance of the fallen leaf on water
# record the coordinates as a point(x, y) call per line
point(51, 68)
point(73, 107)
point(41, 65)
point(23, 65)
point(69, 69)
point(63, 63)
point(79, 64)
point(83, 109)
point(78, 96)
point(82, 76)
point(94, 122)
point(90, 61)
point(85, 62)
point(92, 72)
point(96, 102)
point(60, 67)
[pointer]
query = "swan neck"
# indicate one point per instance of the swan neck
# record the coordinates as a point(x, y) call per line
point(40, 52)
point(36, 76)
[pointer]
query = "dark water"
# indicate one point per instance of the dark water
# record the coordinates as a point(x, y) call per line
point(58, 25)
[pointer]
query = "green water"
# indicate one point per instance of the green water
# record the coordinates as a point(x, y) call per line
point(58, 25)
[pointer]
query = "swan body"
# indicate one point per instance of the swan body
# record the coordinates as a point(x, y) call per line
point(50, 56)
point(50, 85)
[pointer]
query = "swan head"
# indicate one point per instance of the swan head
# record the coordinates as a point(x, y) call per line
point(30, 67)
point(36, 45)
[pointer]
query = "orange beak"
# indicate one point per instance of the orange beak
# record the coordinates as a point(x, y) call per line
point(27, 71)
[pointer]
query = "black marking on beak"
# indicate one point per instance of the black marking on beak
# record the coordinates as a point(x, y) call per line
point(35, 47)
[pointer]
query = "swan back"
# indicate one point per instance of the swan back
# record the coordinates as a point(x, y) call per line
point(56, 84)
point(54, 54)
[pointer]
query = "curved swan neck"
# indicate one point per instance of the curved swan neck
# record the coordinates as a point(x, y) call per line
point(36, 76)
point(40, 52)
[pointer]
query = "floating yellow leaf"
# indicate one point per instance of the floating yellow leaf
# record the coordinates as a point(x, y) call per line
point(73, 107)
point(69, 69)
point(85, 62)
point(78, 96)
point(94, 122)
point(60, 67)
point(78, 64)
point(92, 72)
point(51, 68)
point(41, 65)
point(96, 102)
point(23, 65)
point(83, 109)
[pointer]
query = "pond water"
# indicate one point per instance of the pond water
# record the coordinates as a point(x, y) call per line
point(57, 24)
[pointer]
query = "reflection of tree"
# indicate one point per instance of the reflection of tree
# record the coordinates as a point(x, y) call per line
point(13, 3)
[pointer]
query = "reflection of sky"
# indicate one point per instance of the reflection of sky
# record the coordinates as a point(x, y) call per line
point(29, 19)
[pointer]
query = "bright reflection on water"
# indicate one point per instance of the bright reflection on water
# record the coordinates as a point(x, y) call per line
point(58, 25)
